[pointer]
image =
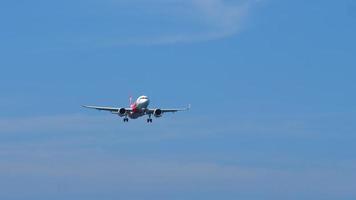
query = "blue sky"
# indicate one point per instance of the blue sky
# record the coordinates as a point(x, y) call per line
point(271, 84)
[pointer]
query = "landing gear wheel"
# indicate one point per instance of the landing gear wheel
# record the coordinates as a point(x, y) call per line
point(126, 120)
point(149, 120)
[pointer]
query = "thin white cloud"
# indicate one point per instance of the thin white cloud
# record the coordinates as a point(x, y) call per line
point(205, 20)
point(57, 123)
point(169, 127)
point(90, 172)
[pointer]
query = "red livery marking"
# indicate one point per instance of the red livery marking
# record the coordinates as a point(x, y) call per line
point(134, 107)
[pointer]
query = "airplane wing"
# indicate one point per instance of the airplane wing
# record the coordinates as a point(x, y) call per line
point(151, 111)
point(111, 109)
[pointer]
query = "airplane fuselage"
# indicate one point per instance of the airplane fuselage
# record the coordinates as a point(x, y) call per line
point(139, 107)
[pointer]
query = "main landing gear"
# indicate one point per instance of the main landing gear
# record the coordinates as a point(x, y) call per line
point(149, 120)
point(126, 119)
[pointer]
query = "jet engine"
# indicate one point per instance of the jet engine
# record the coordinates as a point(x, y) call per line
point(122, 112)
point(157, 113)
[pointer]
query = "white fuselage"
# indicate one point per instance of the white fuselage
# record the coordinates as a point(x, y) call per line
point(139, 107)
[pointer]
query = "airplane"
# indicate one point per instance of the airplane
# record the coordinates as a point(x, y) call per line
point(137, 109)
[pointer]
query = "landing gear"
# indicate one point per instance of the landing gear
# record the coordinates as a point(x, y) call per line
point(126, 119)
point(149, 120)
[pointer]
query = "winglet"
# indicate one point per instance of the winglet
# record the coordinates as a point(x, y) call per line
point(85, 106)
point(189, 106)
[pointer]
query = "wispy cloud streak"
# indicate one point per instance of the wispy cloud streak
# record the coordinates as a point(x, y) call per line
point(58, 123)
point(203, 20)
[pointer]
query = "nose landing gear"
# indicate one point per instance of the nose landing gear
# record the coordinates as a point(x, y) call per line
point(126, 119)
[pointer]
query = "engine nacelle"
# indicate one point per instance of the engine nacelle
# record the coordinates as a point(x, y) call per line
point(122, 112)
point(157, 113)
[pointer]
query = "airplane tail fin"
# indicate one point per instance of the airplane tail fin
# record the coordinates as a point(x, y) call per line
point(130, 100)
